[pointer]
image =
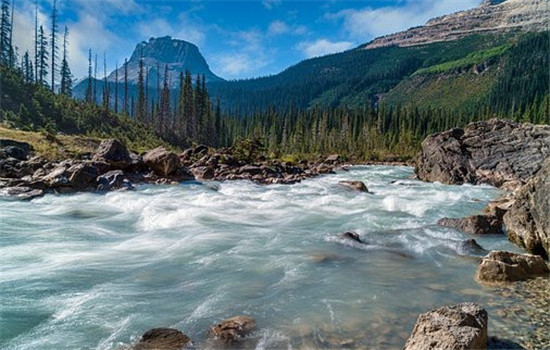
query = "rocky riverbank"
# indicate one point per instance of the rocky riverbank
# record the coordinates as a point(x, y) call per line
point(24, 175)
point(501, 153)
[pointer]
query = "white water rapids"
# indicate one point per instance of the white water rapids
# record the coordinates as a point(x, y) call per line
point(95, 271)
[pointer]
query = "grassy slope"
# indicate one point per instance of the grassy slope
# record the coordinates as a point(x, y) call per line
point(56, 147)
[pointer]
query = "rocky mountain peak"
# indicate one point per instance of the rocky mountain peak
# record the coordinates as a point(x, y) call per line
point(489, 16)
point(158, 53)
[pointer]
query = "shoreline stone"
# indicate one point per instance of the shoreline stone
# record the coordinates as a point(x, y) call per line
point(462, 326)
point(503, 267)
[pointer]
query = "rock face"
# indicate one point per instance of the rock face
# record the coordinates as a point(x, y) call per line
point(495, 152)
point(475, 224)
point(354, 185)
point(490, 16)
point(233, 329)
point(528, 220)
point(501, 266)
point(162, 339)
point(161, 161)
point(462, 326)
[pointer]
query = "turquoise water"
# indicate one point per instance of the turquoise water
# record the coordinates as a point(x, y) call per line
point(95, 271)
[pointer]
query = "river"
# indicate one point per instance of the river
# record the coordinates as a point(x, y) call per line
point(95, 271)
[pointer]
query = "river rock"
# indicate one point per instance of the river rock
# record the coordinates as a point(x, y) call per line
point(233, 329)
point(528, 220)
point(113, 152)
point(462, 326)
point(352, 236)
point(354, 185)
point(161, 161)
point(112, 180)
point(82, 175)
point(21, 192)
point(471, 246)
point(475, 224)
point(203, 172)
point(502, 266)
point(162, 339)
point(496, 152)
point(333, 159)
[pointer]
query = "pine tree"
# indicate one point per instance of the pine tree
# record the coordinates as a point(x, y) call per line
point(89, 86)
point(95, 80)
point(126, 86)
point(66, 75)
point(36, 40)
point(164, 108)
point(53, 43)
point(141, 110)
point(42, 57)
point(5, 35)
point(106, 93)
point(27, 68)
point(116, 87)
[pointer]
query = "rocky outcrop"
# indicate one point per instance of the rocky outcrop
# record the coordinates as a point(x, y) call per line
point(501, 267)
point(475, 224)
point(162, 161)
point(462, 326)
point(114, 153)
point(490, 16)
point(162, 339)
point(495, 152)
point(528, 219)
point(354, 185)
point(233, 329)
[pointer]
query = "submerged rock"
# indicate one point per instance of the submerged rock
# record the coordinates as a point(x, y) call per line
point(462, 326)
point(496, 152)
point(475, 224)
point(528, 220)
point(502, 266)
point(22, 193)
point(162, 339)
point(233, 329)
point(471, 246)
point(352, 236)
point(354, 185)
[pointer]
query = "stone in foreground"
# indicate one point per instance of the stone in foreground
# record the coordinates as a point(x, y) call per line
point(233, 329)
point(162, 339)
point(502, 267)
point(528, 220)
point(354, 185)
point(456, 327)
point(475, 224)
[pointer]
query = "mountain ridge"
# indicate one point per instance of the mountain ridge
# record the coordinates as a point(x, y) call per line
point(489, 16)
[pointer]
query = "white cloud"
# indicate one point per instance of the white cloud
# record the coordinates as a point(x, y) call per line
point(160, 27)
point(269, 4)
point(278, 27)
point(368, 23)
point(323, 47)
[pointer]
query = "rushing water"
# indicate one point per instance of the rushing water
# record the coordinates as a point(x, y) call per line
point(95, 271)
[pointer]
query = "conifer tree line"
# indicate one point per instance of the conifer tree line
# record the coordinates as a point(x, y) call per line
point(44, 67)
point(187, 115)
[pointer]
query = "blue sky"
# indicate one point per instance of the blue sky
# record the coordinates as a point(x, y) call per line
point(239, 39)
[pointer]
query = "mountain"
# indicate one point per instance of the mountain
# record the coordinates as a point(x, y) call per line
point(462, 60)
point(158, 53)
point(491, 16)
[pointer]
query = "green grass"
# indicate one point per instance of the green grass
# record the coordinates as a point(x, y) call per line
point(468, 61)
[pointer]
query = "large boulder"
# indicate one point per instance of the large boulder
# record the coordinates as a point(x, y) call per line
point(502, 266)
point(528, 220)
point(113, 152)
point(475, 224)
point(233, 329)
point(161, 161)
point(162, 339)
point(21, 192)
point(456, 327)
point(496, 152)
